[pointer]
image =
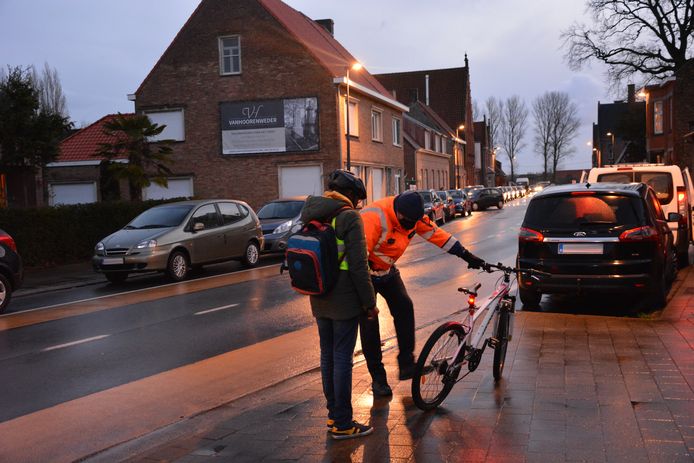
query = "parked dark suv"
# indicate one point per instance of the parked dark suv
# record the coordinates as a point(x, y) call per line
point(486, 197)
point(11, 272)
point(597, 237)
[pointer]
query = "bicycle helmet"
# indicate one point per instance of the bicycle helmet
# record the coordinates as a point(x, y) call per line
point(345, 182)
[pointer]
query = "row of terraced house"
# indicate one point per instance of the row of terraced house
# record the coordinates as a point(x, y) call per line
point(254, 93)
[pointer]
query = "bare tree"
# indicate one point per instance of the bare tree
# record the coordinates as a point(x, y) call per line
point(646, 39)
point(475, 110)
point(51, 97)
point(513, 124)
point(565, 123)
point(494, 109)
point(542, 113)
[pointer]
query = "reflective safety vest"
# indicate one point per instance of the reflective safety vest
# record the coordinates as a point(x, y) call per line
point(386, 240)
point(340, 249)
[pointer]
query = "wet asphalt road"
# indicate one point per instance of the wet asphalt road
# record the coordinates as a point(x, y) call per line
point(56, 361)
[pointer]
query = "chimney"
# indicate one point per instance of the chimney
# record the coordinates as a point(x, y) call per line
point(327, 24)
point(631, 93)
point(426, 89)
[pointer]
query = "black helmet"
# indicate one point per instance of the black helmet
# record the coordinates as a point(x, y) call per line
point(345, 182)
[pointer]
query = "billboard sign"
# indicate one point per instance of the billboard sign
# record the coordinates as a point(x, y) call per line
point(270, 126)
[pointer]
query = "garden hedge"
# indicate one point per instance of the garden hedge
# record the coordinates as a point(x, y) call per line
point(49, 236)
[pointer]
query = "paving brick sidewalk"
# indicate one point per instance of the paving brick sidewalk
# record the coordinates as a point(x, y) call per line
point(576, 388)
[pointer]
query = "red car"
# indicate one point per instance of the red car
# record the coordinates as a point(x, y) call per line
point(433, 206)
point(448, 205)
point(463, 206)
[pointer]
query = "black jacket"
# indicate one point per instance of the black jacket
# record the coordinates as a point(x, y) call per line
point(353, 294)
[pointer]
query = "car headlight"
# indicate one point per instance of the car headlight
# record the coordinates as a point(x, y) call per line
point(284, 228)
point(99, 248)
point(296, 227)
point(147, 244)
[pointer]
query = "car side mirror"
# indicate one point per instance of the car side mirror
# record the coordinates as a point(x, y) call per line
point(198, 226)
point(674, 217)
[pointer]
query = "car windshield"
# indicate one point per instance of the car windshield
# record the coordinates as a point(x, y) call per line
point(426, 196)
point(455, 194)
point(281, 210)
point(577, 212)
point(442, 195)
point(160, 217)
point(661, 182)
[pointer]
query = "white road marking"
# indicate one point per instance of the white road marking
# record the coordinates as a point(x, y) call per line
point(203, 312)
point(142, 290)
point(74, 343)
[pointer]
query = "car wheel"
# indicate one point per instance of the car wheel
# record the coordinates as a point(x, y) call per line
point(475, 207)
point(252, 255)
point(178, 266)
point(530, 298)
point(674, 266)
point(116, 277)
point(658, 294)
point(5, 292)
point(683, 259)
point(500, 204)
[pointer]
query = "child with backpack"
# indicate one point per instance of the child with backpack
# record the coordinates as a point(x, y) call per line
point(341, 290)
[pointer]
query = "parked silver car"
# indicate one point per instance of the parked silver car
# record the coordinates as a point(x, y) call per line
point(176, 237)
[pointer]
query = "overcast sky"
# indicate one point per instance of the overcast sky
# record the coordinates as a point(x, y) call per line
point(104, 49)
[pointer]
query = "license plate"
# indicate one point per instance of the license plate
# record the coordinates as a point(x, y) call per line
point(580, 248)
point(111, 261)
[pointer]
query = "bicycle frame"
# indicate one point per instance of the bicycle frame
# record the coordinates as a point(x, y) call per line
point(475, 335)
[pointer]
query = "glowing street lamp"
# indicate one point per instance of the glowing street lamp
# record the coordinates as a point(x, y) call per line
point(353, 67)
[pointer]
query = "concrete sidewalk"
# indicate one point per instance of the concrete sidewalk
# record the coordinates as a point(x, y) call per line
point(576, 388)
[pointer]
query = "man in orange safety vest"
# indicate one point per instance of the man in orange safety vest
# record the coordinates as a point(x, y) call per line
point(390, 224)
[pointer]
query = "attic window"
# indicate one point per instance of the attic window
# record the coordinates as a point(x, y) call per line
point(230, 55)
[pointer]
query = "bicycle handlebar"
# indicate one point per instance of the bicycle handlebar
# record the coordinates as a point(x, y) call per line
point(489, 268)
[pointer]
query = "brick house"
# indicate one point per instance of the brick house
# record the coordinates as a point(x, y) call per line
point(619, 136)
point(447, 92)
point(76, 175)
point(256, 93)
point(670, 118)
point(429, 147)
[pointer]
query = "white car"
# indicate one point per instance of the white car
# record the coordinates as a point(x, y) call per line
point(673, 188)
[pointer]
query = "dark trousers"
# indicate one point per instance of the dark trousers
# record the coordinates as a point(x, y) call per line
point(337, 341)
point(401, 309)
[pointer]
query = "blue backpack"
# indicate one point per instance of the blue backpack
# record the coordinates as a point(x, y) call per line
point(312, 258)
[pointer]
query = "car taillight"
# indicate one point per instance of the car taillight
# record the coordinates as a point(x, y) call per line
point(527, 234)
point(9, 242)
point(639, 234)
point(681, 201)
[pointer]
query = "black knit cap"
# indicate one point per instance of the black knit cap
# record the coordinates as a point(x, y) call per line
point(410, 204)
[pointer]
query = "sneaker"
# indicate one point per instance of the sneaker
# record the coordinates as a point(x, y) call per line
point(406, 373)
point(356, 430)
point(381, 389)
point(331, 423)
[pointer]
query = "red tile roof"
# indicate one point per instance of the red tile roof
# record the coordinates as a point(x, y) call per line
point(323, 46)
point(82, 145)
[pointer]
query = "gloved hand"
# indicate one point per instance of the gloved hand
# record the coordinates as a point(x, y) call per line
point(472, 260)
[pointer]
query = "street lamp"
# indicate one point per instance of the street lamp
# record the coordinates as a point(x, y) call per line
point(457, 160)
point(611, 135)
point(353, 67)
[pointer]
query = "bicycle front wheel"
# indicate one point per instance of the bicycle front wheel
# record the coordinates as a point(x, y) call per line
point(502, 344)
point(433, 376)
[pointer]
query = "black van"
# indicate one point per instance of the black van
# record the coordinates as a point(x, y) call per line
point(597, 237)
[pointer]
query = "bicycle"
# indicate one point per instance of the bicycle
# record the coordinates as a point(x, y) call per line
point(454, 345)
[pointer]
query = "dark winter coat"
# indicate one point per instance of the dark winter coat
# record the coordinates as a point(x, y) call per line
point(353, 294)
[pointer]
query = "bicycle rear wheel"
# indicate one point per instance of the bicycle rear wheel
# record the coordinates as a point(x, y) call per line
point(433, 379)
point(500, 350)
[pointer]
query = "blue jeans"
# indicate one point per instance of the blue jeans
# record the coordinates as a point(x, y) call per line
point(337, 341)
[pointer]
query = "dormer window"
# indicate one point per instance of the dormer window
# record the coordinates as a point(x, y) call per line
point(230, 55)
